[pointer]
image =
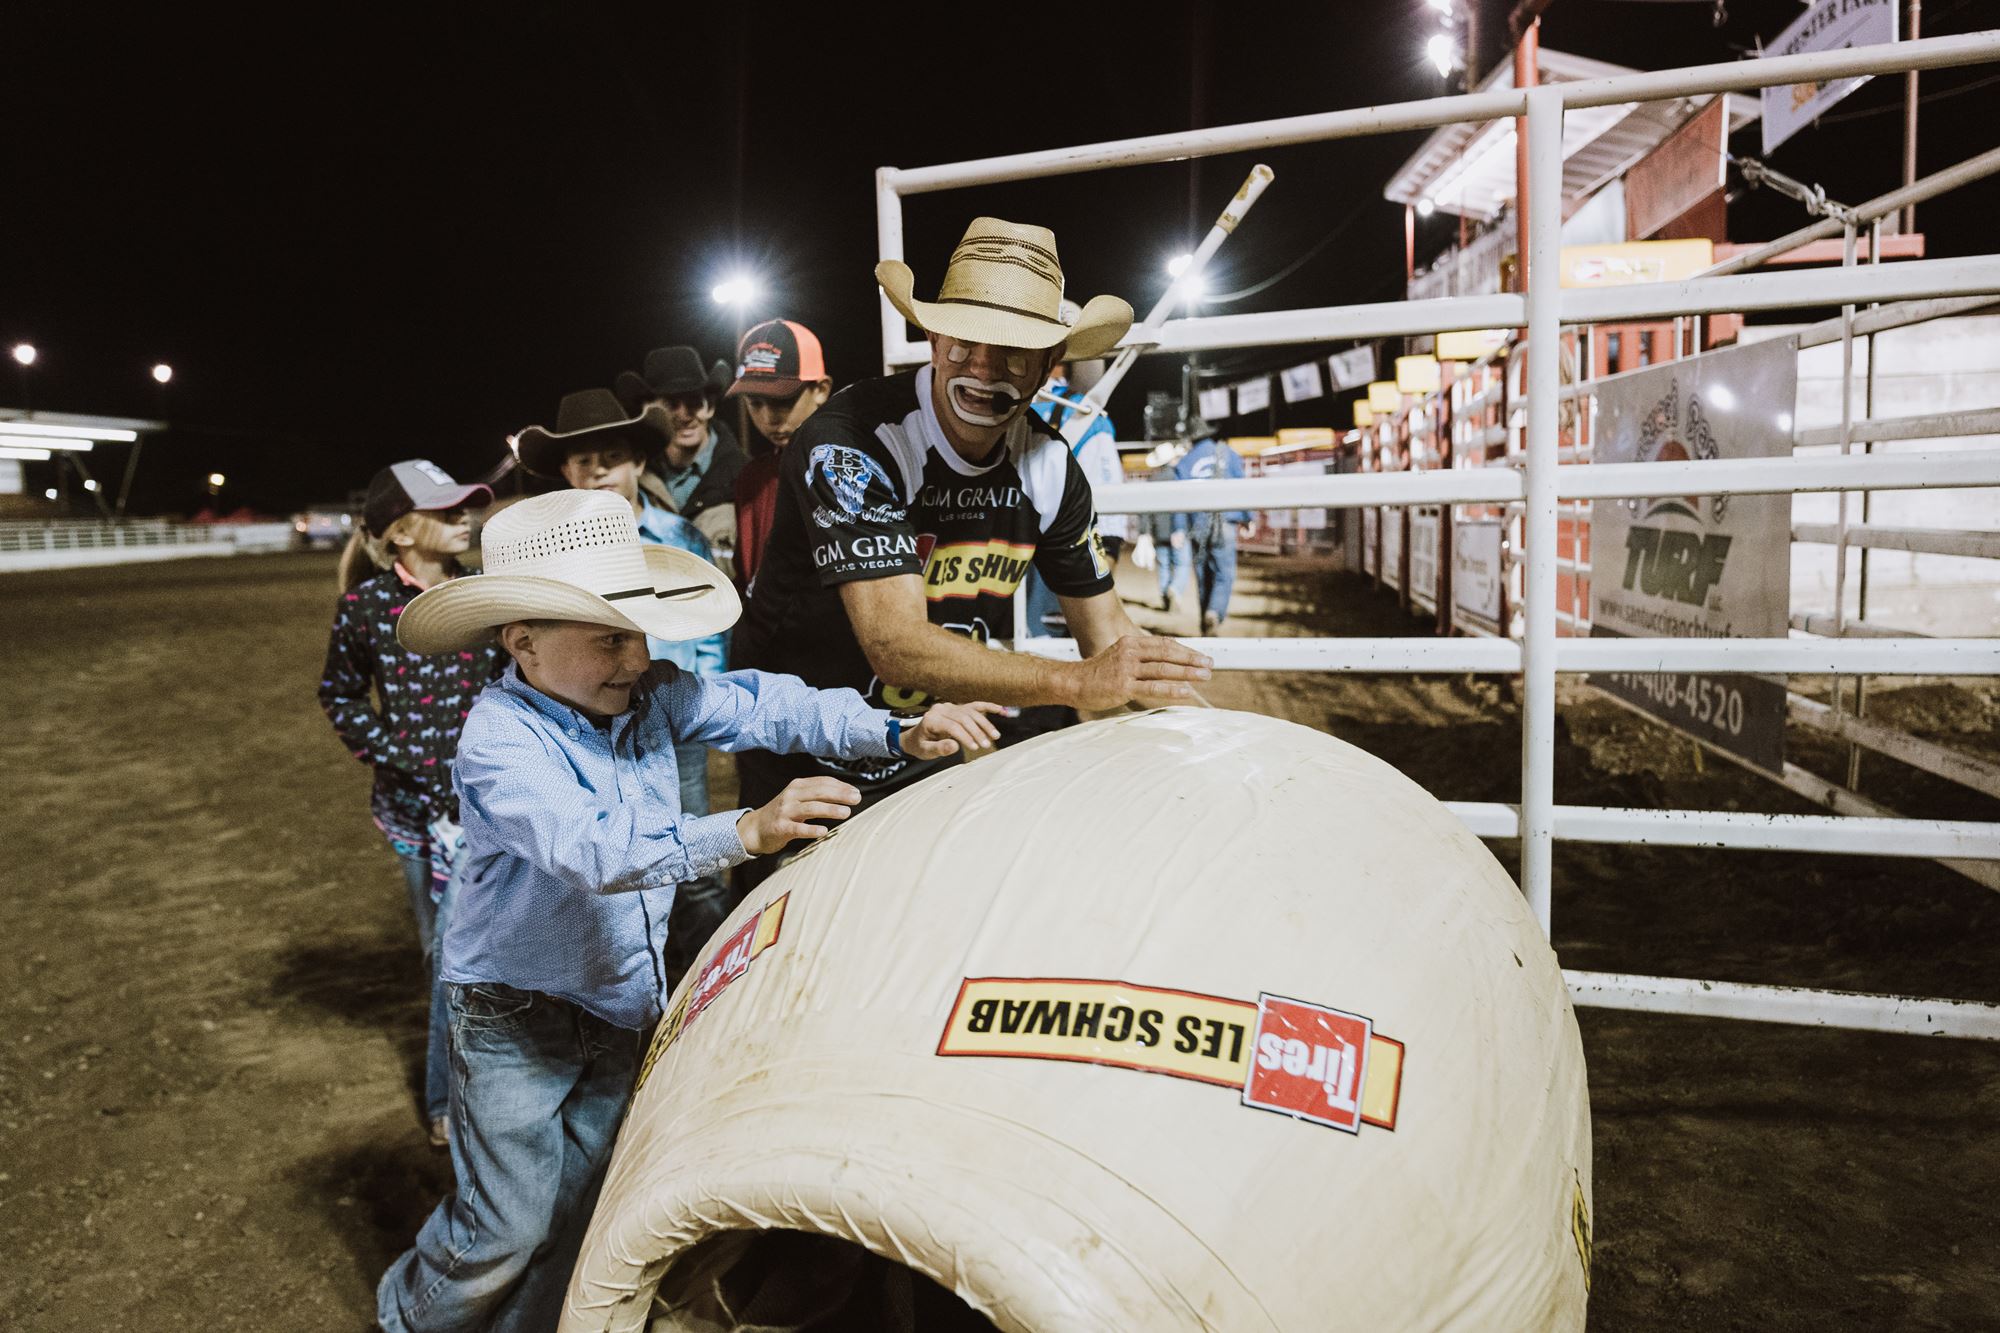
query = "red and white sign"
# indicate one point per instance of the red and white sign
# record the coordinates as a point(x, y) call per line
point(729, 962)
point(1309, 1062)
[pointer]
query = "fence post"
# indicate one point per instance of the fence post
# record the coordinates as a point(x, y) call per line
point(1538, 522)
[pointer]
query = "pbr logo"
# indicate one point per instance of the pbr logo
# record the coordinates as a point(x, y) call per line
point(846, 473)
point(1663, 558)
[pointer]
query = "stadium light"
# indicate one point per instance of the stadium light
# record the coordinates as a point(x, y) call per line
point(1191, 285)
point(90, 484)
point(1426, 206)
point(216, 479)
point(25, 353)
point(1442, 6)
point(738, 291)
point(20, 454)
point(49, 494)
point(1438, 50)
point(162, 372)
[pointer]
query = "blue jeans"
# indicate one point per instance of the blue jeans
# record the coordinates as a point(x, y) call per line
point(538, 1088)
point(1172, 564)
point(1044, 612)
point(437, 1051)
point(1214, 559)
point(416, 867)
point(430, 937)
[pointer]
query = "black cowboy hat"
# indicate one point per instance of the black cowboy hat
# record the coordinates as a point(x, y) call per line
point(668, 372)
point(590, 416)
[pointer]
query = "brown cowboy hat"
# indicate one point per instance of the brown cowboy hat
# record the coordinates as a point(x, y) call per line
point(590, 416)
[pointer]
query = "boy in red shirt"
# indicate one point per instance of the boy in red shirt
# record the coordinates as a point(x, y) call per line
point(781, 377)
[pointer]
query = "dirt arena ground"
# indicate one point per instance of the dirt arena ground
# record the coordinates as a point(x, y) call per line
point(212, 1030)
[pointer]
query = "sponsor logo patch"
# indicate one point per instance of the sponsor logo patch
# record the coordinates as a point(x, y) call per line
point(731, 959)
point(976, 569)
point(1310, 1063)
point(1183, 1034)
point(759, 359)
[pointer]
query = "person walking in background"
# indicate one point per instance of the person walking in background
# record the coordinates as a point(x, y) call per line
point(400, 713)
point(1211, 538)
point(781, 378)
point(596, 446)
point(1093, 442)
point(1170, 551)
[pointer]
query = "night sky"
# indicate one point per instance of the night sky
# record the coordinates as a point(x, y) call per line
point(359, 238)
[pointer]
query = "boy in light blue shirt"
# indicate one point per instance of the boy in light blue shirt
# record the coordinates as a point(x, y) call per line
point(596, 446)
point(574, 842)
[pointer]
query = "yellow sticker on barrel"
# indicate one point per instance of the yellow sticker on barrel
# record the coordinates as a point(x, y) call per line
point(1579, 1230)
point(1157, 1030)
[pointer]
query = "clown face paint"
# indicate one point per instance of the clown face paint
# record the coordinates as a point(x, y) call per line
point(999, 386)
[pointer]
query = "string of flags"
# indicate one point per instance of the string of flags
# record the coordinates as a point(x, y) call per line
point(1350, 369)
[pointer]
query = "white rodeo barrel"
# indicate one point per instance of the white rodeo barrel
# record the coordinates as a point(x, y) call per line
point(1188, 1019)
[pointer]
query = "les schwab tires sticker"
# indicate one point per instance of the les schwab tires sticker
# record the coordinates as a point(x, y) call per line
point(1288, 1056)
point(1291, 1057)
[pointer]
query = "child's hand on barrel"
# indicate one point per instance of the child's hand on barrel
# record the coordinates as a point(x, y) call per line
point(769, 827)
point(948, 728)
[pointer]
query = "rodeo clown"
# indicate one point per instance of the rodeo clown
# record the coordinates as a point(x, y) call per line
point(912, 506)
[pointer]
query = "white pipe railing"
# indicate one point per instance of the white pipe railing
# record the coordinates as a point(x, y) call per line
point(1536, 489)
point(1906, 1014)
point(1846, 656)
point(1600, 481)
point(1918, 541)
point(1917, 192)
point(1935, 426)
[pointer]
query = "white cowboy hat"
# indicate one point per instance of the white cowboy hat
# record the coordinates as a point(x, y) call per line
point(1004, 286)
point(572, 555)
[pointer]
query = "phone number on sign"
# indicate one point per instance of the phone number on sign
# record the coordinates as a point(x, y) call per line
point(1703, 700)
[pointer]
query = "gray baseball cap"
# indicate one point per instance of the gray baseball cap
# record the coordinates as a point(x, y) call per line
point(415, 483)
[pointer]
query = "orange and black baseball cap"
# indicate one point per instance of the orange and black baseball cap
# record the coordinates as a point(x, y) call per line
point(777, 359)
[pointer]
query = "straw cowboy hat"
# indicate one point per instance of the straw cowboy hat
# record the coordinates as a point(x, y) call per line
point(591, 417)
point(1004, 286)
point(572, 555)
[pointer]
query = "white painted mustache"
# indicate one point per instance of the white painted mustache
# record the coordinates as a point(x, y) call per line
point(1002, 393)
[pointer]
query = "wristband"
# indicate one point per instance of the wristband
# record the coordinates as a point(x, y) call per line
point(895, 734)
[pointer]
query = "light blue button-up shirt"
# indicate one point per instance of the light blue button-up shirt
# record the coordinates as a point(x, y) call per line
point(574, 836)
point(663, 527)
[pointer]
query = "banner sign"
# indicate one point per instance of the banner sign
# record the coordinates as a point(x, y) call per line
point(1301, 382)
point(1476, 574)
point(1699, 566)
point(1298, 518)
point(1215, 404)
point(1253, 396)
point(1631, 262)
point(1352, 368)
point(1424, 525)
point(1371, 527)
point(1392, 547)
point(1689, 166)
point(1830, 25)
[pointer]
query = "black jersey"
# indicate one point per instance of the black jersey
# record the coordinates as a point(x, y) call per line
point(870, 488)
